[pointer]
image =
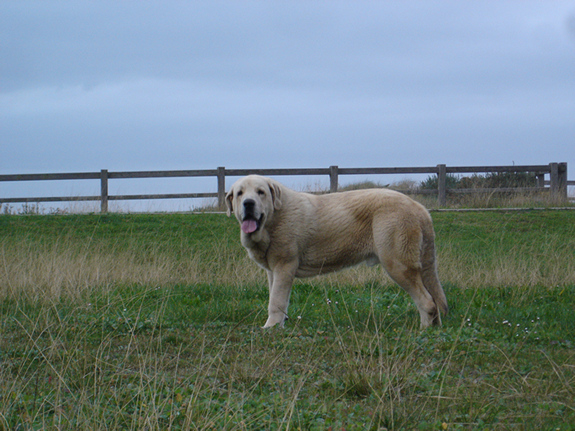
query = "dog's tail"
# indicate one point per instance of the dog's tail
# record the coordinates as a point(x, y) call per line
point(429, 270)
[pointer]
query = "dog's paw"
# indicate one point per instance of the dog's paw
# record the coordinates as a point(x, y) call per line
point(274, 321)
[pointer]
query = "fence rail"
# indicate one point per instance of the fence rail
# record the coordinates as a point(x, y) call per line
point(556, 184)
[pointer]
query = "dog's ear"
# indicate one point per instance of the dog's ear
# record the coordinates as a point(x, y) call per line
point(276, 191)
point(229, 200)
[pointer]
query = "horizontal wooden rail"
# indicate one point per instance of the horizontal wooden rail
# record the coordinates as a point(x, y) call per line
point(162, 196)
point(163, 174)
point(500, 190)
point(49, 177)
point(276, 172)
point(556, 184)
point(49, 199)
point(498, 169)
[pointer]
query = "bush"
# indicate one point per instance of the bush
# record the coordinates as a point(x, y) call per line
point(431, 182)
point(493, 180)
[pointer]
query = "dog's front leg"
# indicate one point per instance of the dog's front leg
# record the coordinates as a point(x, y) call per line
point(280, 282)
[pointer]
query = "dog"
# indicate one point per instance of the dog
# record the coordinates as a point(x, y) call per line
point(292, 234)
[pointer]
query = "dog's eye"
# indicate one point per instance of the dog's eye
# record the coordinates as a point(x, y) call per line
point(240, 193)
point(261, 193)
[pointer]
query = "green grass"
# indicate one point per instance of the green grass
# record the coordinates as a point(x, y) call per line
point(152, 322)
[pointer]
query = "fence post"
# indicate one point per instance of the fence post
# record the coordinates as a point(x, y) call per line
point(554, 180)
point(221, 187)
point(562, 182)
point(558, 181)
point(104, 191)
point(333, 183)
point(441, 185)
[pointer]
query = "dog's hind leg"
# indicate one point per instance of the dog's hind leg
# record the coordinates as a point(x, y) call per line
point(399, 253)
point(409, 278)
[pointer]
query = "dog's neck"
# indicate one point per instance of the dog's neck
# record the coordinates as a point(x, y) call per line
point(257, 245)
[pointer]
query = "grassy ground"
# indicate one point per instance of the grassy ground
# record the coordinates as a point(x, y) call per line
point(152, 322)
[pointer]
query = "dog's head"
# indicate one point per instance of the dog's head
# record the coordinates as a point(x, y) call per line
point(253, 200)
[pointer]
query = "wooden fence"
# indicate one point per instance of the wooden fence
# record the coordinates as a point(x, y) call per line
point(556, 184)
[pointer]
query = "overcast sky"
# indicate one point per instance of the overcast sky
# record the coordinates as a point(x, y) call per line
point(158, 85)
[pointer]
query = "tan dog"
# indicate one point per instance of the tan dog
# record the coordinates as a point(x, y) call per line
point(292, 234)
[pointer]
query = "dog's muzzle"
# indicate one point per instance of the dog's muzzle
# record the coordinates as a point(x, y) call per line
point(250, 222)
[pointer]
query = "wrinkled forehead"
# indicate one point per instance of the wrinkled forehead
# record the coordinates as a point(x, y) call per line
point(250, 184)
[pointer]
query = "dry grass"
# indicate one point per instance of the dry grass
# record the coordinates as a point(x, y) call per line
point(65, 270)
point(62, 270)
point(66, 266)
point(524, 266)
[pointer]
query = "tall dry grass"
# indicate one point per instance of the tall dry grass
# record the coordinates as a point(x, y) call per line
point(524, 265)
point(47, 271)
point(66, 269)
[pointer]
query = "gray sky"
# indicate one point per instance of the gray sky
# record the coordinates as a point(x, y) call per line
point(158, 85)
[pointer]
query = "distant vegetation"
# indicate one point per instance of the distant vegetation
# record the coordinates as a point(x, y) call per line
point(488, 181)
point(486, 196)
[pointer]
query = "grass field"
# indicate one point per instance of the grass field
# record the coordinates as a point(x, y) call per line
point(152, 322)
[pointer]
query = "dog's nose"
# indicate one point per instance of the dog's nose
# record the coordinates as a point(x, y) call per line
point(249, 204)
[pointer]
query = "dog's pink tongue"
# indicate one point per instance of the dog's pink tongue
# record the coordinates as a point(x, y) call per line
point(249, 226)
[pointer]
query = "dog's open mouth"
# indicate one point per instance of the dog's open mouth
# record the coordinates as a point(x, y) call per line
point(250, 224)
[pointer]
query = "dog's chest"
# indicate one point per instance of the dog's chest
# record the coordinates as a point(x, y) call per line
point(257, 251)
point(259, 257)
